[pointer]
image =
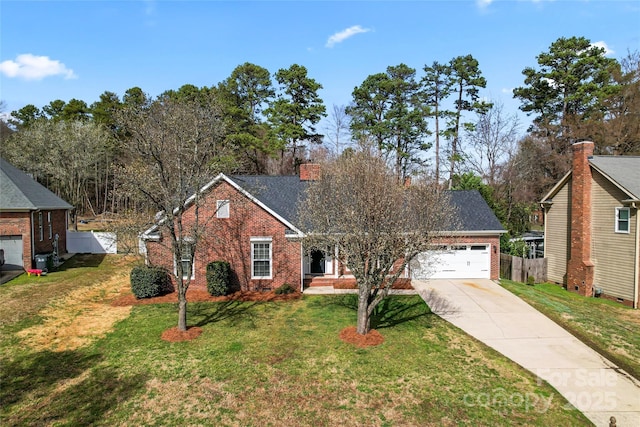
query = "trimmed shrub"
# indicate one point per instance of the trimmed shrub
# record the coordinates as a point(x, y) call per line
point(531, 280)
point(149, 282)
point(285, 289)
point(218, 278)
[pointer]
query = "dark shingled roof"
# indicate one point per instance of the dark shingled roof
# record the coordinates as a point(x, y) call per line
point(18, 191)
point(279, 193)
point(474, 213)
point(282, 193)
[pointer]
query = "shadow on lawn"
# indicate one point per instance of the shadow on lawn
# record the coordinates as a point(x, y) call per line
point(82, 260)
point(65, 387)
point(389, 313)
point(234, 311)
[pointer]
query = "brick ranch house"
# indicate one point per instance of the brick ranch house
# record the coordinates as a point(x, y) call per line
point(33, 220)
point(592, 226)
point(251, 222)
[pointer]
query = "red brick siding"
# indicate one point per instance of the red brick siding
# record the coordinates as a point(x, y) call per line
point(309, 172)
point(229, 239)
point(580, 267)
point(19, 224)
point(58, 226)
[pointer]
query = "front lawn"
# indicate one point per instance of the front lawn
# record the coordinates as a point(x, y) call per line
point(259, 364)
point(606, 326)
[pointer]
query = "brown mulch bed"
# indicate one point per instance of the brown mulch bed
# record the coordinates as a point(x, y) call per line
point(174, 335)
point(194, 295)
point(349, 335)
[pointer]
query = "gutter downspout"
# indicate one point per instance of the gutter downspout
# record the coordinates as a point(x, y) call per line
point(302, 268)
point(637, 261)
point(544, 219)
point(33, 245)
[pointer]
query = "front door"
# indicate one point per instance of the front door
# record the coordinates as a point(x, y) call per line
point(318, 264)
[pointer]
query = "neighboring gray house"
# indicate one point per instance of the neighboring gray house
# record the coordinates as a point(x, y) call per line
point(33, 220)
point(592, 226)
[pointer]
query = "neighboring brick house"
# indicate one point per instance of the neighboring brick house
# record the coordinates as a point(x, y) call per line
point(33, 220)
point(251, 222)
point(592, 227)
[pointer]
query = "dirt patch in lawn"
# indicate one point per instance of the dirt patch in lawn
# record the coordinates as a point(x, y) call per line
point(175, 335)
point(351, 336)
point(194, 295)
point(79, 318)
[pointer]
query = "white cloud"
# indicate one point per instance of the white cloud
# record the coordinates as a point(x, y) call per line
point(483, 3)
point(507, 90)
point(341, 36)
point(604, 46)
point(31, 67)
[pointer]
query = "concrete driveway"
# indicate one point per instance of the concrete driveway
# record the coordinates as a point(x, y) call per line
point(504, 322)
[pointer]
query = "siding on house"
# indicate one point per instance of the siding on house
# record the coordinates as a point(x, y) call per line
point(57, 225)
point(229, 239)
point(557, 239)
point(18, 224)
point(612, 253)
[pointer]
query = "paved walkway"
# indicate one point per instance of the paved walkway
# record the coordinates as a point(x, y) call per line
point(329, 290)
point(504, 322)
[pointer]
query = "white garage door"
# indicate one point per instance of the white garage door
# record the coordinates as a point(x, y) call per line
point(12, 246)
point(453, 262)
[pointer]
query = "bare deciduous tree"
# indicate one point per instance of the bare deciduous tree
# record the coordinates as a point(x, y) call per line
point(377, 224)
point(63, 155)
point(491, 143)
point(337, 129)
point(174, 150)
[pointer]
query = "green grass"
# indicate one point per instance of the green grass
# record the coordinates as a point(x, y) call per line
point(606, 326)
point(275, 363)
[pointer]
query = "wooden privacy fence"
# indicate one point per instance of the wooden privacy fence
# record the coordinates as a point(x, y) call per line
point(519, 269)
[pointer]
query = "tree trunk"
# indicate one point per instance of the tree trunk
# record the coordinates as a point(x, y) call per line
point(437, 146)
point(364, 320)
point(182, 312)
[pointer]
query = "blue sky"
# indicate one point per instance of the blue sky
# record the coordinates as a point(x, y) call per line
point(79, 49)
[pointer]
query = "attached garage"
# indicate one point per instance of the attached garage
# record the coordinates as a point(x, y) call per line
point(12, 246)
point(30, 218)
point(460, 261)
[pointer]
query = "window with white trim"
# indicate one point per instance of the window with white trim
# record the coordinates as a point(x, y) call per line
point(222, 209)
point(50, 225)
point(187, 262)
point(40, 226)
point(622, 220)
point(261, 258)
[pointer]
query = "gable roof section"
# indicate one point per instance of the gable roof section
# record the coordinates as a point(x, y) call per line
point(280, 197)
point(20, 192)
point(280, 193)
point(474, 213)
point(624, 171)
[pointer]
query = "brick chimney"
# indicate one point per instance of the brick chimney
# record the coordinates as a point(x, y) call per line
point(309, 172)
point(580, 267)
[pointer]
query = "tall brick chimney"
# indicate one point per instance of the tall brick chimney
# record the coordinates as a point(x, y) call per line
point(580, 267)
point(309, 172)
